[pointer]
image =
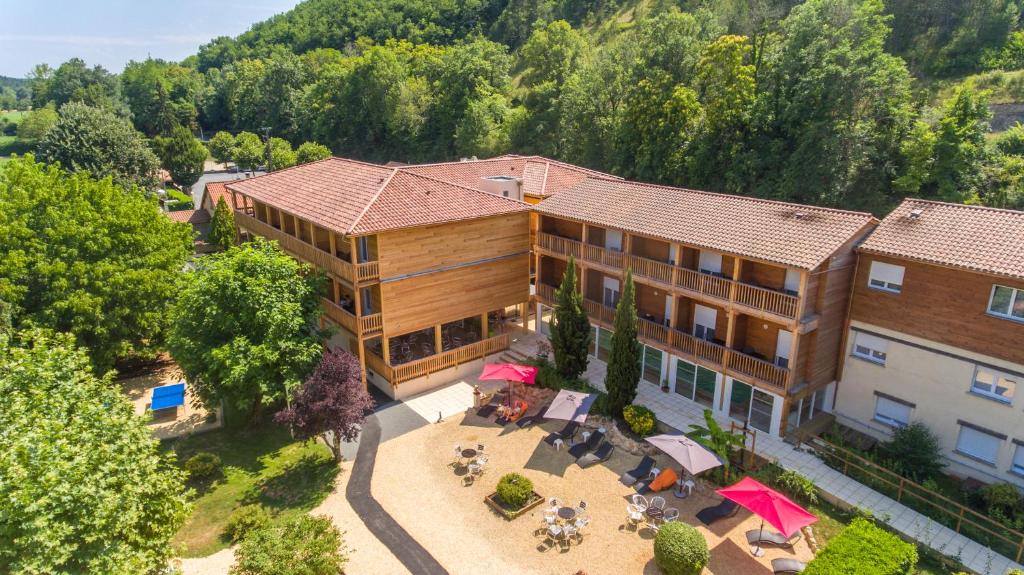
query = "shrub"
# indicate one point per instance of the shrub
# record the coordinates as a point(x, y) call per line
point(202, 465)
point(1002, 496)
point(797, 486)
point(864, 548)
point(514, 490)
point(640, 419)
point(304, 545)
point(914, 452)
point(679, 549)
point(245, 520)
point(182, 201)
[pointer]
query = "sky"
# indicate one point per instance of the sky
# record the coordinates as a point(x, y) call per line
point(113, 32)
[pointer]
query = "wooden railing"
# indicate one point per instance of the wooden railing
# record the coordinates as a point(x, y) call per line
point(772, 301)
point(368, 324)
point(546, 293)
point(367, 271)
point(652, 331)
point(340, 315)
point(954, 515)
point(766, 371)
point(651, 269)
point(447, 359)
point(695, 347)
point(560, 245)
point(377, 363)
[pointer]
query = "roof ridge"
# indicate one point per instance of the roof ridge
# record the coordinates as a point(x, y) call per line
point(956, 205)
point(474, 190)
point(366, 208)
point(635, 183)
point(544, 184)
point(569, 166)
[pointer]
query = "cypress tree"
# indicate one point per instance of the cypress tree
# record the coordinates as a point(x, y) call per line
point(624, 360)
point(570, 330)
point(222, 229)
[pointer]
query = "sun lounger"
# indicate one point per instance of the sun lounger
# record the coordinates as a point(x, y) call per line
point(520, 410)
point(667, 478)
point(787, 566)
point(602, 453)
point(589, 445)
point(568, 431)
point(639, 472)
point(767, 537)
point(709, 515)
point(487, 410)
point(529, 420)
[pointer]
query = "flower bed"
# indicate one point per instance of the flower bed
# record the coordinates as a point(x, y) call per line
point(509, 513)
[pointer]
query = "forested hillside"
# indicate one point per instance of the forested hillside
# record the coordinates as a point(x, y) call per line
point(835, 102)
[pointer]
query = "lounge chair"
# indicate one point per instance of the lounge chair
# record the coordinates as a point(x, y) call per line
point(664, 480)
point(568, 431)
point(709, 515)
point(639, 472)
point(529, 420)
point(520, 410)
point(602, 453)
point(787, 566)
point(767, 537)
point(587, 446)
point(487, 410)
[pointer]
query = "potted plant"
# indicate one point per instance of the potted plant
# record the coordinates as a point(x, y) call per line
point(513, 496)
point(664, 386)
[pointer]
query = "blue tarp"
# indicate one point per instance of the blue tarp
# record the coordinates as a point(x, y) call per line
point(168, 396)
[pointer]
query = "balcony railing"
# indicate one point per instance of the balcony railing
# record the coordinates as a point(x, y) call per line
point(755, 297)
point(765, 371)
point(366, 325)
point(452, 358)
point(370, 324)
point(318, 258)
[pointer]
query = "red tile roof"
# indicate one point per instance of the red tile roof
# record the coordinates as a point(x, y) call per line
point(193, 217)
point(540, 176)
point(216, 191)
point(791, 235)
point(358, 198)
point(974, 238)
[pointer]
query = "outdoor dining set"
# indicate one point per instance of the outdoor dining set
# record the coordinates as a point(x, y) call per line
point(564, 524)
point(472, 461)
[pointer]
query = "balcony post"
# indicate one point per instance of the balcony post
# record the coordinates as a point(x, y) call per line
point(362, 361)
point(794, 349)
point(312, 235)
point(672, 309)
point(354, 256)
point(734, 285)
point(437, 339)
point(298, 227)
point(385, 348)
point(802, 295)
point(483, 326)
point(337, 289)
point(333, 240)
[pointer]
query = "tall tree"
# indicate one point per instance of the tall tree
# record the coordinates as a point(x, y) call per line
point(249, 153)
point(222, 147)
point(183, 156)
point(86, 257)
point(223, 232)
point(303, 545)
point(960, 145)
point(623, 374)
point(244, 327)
point(36, 124)
point(96, 141)
point(85, 486)
point(331, 404)
point(570, 331)
point(281, 154)
point(311, 152)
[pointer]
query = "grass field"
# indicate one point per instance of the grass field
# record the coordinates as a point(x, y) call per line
point(13, 116)
point(261, 465)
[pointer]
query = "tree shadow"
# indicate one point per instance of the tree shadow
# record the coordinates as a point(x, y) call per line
point(301, 485)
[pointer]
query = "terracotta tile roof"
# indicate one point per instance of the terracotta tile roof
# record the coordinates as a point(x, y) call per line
point(792, 235)
point(358, 198)
point(541, 176)
point(193, 217)
point(974, 238)
point(216, 191)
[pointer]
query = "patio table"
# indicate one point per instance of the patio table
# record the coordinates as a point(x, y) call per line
point(468, 453)
point(567, 513)
point(655, 514)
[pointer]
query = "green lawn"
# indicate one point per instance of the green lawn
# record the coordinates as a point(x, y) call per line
point(262, 465)
point(13, 116)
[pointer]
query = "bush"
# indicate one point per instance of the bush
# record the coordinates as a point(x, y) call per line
point(640, 419)
point(1002, 496)
point(864, 548)
point(679, 549)
point(514, 490)
point(797, 486)
point(914, 452)
point(183, 201)
point(202, 465)
point(304, 545)
point(245, 520)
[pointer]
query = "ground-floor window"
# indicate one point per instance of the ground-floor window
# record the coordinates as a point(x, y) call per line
point(891, 412)
point(751, 405)
point(652, 359)
point(1018, 461)
point(604, 344)
point(978, 444)
point(696, 383)
point(593, 341)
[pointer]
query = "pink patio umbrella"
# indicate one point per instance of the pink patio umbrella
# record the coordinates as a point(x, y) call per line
point(509, 372)
point(770, 506)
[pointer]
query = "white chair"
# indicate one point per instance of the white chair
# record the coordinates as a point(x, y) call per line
point(581, 508)
point(634, 514)
point(568, 532)
point(671, 514)
point(586, 436)
point(580, 524)
point(558, 444)
point(554, 533)
point(658, 502)
point(654, 473)
point(457, 459)
point(641, 502)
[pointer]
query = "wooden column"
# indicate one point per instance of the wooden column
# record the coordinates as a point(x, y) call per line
point(312, 234)
point(333, 240)
point(437, 339)
point(483, 326)
point(385, 348)
point(298, 227)
point(672, 310)
point(794, 349)
point(359, 306)
point(362, 361)
point(337, 290)
point(280, 219)
point(786, 404)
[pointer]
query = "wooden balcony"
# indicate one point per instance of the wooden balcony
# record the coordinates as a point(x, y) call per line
point(452, 358)
point(693, 282)
point(366, 325)
point(364, 272)
point(371, 324)
point(764, 371)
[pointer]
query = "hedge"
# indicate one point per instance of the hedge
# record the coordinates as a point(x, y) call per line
point(679, 549)
point(865, 549)
point(514, 490)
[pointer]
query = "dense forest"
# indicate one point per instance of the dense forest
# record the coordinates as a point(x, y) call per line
point(843, 103)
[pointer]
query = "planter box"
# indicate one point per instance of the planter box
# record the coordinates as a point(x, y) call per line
point(494, 501)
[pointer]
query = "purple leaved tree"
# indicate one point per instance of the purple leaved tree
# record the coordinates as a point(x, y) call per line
point(331, 404)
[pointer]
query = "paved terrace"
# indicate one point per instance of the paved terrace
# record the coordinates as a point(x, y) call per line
point(680, 414)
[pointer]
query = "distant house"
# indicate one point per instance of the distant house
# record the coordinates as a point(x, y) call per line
point(212, 194)
point(200, 220)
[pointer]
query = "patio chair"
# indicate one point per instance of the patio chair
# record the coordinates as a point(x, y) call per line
point(520, 409)
point(580, 524)
point(580, 449)
point(529, 420)
point(671, 514)
point(568, 532)
point(581, 509)
point(480, 448)
point(634, 515)
point(602, 453)
point(642, 470)
point(725, 509)
point(554, 534)
point(787, 566)
point(641, 502)
point(767, 537)
point(658, 502)
point(457, 456)
point(664, 479)
point(568, 431)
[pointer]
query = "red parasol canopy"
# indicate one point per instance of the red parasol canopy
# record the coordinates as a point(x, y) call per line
point(769, 505)
point(510, 372)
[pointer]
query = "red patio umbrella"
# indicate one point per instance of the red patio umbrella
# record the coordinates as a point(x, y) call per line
point(769, 505)
point(509, 372)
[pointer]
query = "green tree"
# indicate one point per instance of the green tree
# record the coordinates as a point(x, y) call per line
point(223, 232)
point(304, 545)
point(486, 126)
point(36, 124)
point(960, 145)
point(624, 360)
point(570, 330)
point(183, 156)
point(87, 139)
point(244, 327)
point(721, 442)
point(74, 81)
point(85, 486)
point(162, 95)
point(550, 55)
point(249, 153)
point(89, 258)
point(281, 154)
point(311, 152)
point(222, 147)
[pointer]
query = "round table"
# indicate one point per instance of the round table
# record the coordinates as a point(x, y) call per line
point(566, 513)
point(655, 513)
point(468, 453)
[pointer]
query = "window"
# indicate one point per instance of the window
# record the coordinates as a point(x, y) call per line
point(1007, 302)
point(994, 385)
point(1017, 466)
point(978, 444)
point(886, 277)
point(870, 347)
point(695, 383)
point(651, 364)
point(891, 412)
